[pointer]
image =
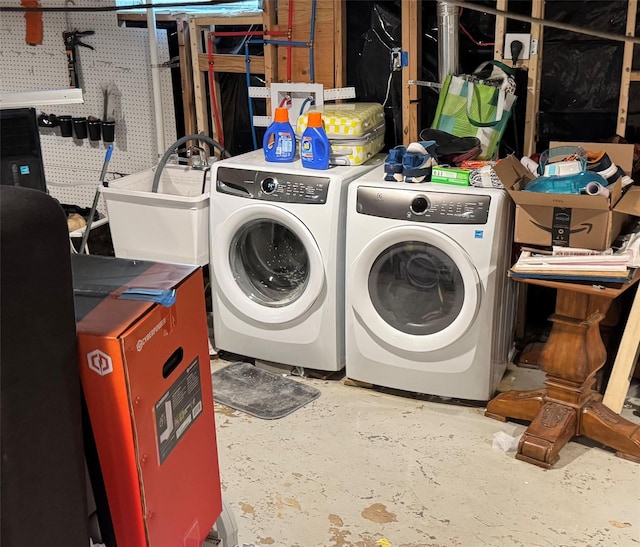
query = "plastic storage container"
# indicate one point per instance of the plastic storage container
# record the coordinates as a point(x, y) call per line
point(171, 225)
point(355, 131)
point(279, 143)
point(314, 144)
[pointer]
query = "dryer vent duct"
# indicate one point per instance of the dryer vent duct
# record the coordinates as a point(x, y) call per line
point(447, 40)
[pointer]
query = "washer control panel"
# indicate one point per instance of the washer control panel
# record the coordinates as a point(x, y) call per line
point(423, 206)
point(270, 186)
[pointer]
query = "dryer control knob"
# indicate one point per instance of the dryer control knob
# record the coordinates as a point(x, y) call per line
point(419, 205)
point(269, 185)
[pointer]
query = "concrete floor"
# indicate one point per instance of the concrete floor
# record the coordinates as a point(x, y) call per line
point(361, 468)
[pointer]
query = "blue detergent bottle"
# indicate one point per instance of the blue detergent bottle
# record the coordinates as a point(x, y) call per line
point(279, 142)
point(314, 145)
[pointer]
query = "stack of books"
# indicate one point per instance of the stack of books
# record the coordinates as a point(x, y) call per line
point(572, 264)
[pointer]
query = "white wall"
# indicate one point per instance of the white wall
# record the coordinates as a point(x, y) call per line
point(121, 57)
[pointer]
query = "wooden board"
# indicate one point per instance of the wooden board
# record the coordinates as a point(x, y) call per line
point(627, 61)
point(412, 44)
point(324, 41)
point(626, 358)
point(186, 78)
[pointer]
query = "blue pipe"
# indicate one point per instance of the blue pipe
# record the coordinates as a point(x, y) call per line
point(247, 62)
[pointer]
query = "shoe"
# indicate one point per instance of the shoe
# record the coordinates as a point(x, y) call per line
point(393, 164)
point(448, 144)
point(599, 162)
point(418, 161)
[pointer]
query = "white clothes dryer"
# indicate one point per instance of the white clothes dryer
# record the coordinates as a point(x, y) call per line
point(277, 259)
point(429, 305)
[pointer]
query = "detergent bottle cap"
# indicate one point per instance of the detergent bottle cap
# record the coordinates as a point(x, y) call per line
point(282, 114)
point(314, 119)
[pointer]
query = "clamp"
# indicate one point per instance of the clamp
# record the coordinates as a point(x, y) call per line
point(72, 42)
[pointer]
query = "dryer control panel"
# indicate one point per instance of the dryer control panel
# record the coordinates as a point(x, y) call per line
point(418, 206)
point(271, 186)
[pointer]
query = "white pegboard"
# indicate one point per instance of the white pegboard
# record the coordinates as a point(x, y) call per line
point(121, 56)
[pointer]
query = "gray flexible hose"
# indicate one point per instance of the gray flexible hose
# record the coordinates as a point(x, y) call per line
point(165, 158)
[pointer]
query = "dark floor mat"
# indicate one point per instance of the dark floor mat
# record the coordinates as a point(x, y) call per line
point(259, 392)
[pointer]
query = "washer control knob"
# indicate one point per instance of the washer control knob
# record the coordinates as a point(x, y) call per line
point(269, 185)
point(419, 205)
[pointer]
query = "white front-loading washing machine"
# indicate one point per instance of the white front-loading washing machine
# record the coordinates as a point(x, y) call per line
point(429, 305)
point(277, 259)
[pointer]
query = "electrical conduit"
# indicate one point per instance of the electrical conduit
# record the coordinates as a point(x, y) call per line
point(155, 81)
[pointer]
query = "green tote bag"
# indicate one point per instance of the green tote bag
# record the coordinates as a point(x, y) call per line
point(470, 107)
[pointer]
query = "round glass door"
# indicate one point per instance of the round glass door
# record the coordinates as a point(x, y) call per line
point(269, 262)
point(415, 288)
point(266, 264)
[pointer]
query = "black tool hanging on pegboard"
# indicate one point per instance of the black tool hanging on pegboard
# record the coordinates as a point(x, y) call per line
point(71, 44)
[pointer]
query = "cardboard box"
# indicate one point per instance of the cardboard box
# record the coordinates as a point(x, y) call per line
point(147, 383)
point(450, 175)
point(570, 220)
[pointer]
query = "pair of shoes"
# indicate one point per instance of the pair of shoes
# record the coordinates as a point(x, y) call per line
point(418, 161)
point(393, 164)
point(411, 163)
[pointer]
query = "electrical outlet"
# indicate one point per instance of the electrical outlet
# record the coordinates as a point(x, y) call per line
point(396, 59)
point(526, 45)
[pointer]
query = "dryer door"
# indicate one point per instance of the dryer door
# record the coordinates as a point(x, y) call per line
point(266, 263)
point(415, 288)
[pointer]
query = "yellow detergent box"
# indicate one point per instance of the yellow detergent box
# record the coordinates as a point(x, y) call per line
point(355, 131)
point(451, 175)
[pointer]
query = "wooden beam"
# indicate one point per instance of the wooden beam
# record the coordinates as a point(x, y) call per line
point(500, 28)
point(411, 43)
point(186, 74)
point(127, 16)
point(232, 63)
point(626, 358)
point(627, 61)
point(340, 22)
point(222, 20)
point(533, 82)
point(270, 62)
point(199, 86)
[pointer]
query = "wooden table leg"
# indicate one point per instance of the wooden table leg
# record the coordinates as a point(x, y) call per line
point(520, 405)
point(550, 430)
point(602, 424)
point(568, 406)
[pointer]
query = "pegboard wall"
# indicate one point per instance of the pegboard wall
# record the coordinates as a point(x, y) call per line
point(121, 57)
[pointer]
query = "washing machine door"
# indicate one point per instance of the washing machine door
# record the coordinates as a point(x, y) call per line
point(415, 288)
point(267, 264)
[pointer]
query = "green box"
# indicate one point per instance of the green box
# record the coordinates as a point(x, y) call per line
point(450, 175)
